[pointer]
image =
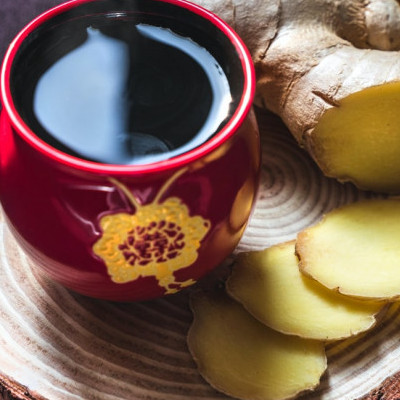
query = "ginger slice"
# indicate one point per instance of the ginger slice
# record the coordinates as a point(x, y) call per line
point(355, 249)
point(270, 286)
point(245, 359)
point(359, 140)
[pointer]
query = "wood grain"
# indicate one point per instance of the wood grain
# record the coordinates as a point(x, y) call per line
point(58, 345)
point(388, 390)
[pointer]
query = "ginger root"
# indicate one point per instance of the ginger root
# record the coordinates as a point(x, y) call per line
point(245, 359)
point(270, 286)
point(355, 250)
point(331, 70)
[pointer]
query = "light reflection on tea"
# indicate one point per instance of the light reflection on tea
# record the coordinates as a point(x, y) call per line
point(132, 94)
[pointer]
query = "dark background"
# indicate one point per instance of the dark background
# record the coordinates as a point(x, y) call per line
point(15, 14)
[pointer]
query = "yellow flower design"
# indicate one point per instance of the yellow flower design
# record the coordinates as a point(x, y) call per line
point(159, 239)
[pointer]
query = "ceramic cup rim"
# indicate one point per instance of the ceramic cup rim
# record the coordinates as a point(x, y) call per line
point(58, 156)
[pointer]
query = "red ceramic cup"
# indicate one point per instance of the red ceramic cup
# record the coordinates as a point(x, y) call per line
point(128, 232)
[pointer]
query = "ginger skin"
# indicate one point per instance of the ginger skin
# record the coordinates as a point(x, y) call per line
point(311, 57)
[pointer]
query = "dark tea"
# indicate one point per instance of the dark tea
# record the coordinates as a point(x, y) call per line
point(125, 89)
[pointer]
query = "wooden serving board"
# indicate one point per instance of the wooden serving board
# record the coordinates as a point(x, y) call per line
point(57, 345)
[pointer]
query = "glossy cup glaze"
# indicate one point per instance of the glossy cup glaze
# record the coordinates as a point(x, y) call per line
point(128, 232)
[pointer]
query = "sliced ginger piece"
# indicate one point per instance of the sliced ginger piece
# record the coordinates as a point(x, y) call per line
point(360, 139)
point(245, 359)
point(355, 249)
point(270, 286)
